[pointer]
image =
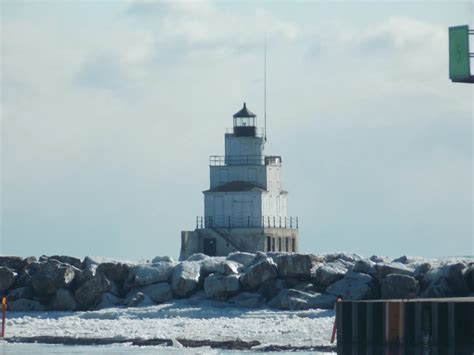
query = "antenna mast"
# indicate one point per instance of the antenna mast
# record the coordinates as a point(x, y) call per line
point(265, 89)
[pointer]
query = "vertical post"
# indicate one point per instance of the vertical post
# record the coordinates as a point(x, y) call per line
point(268, 221)
point(291, 222)
point(296, 222)
point(273, 221)
point(285, 222)
point(4, 310)
point(279, 218)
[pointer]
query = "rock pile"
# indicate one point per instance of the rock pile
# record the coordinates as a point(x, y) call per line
point(279, 280)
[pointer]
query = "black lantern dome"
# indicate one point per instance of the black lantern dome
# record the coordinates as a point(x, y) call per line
point(245, 123)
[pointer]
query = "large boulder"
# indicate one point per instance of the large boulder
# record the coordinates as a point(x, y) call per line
point(63, 300)
point(241, 257)
point(348, 257)
point(365, 266)
point(396, 286)
point(11, 262)
point(20, 292)
point(272, 287)
point(51, 276)
point(291, 299)
point(148, 274)
point(294, 265)
point(114, 271)
point(354, 286)
point(392, 268)
point(469, 277)
point(220, 287)
point(185, 278)
point(25, 305)
point(158, 259)
point(108, 300)
point(330, 272)
point(159, 293)
point(68, 260)
point(87, 274)
point(7, 276)
point(219, 265)
point(259, 273)
point(445, 281)
point(89, 293)
point(247, 300)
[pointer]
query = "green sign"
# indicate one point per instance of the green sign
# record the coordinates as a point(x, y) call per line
point(459, 53)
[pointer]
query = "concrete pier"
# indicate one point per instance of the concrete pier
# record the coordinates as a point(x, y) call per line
point(443, 325)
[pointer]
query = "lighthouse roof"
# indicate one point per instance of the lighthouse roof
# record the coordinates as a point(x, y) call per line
point(236, 186)
point(245, 112)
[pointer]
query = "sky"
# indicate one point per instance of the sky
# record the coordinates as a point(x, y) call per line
point(110, 110)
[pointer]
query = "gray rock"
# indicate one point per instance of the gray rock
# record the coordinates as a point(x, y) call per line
point(247, 300)
point(354, 286)
point(241, 257)
point(51, 276)
point(330, 272)
point(158, 259)
point(108, 300)
point(148, 274)
point(219, 265)
point(20, 292)
point(68, 260)
point(198, 257)
point(63, 300)
point(87, 274)
point(26, 262)
point(137, 299)
point(365, 266)
point(89, 293)
point(220, 287)
point(259, 273)
point(159, 293)
point(185, 278)
point(446, 281)
point(7, 276)
point(393, 268)
point(421, 270)
point(270, 288)
point(469, 277)
point(291, 299)
point(294, 265)
point(402, 259)
point(114, 271)
point(25, 305)
point(380, 259)
point(348, 257)
point(396, 286)
point(11, 262)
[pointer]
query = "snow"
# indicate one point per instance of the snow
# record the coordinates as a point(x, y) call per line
point(190, 319)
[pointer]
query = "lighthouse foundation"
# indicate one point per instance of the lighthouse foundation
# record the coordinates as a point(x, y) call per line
point(223, 241)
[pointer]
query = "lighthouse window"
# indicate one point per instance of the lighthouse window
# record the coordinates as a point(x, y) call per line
point(293, 242)
point(269, 243)
point(279, 244)
point(273, 244)
point(287, 244)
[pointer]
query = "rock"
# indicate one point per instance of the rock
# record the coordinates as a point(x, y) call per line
point(393, 268)
point(421, 270)
point(51, 276)
point(12, 262)
point(294, 265)
point(26, 262)
point(89, 293)
point(7, 276)
point(469, 277)
point(354, 286)
point(114, 271)
point(293, 300)
point(365, 266)
point(108, 300)
point(25, 305)
point(18, 293)
point(159, 293)
point(270, 288)
point(185, 278)
point(158, 259)
point(352, 258)
point(380, 259)
point(198, 257)
point(87, 274)
point(219, 265)
point(63, 300)
point(68, 260)
point(402, 259)
point(241, 257)
point(446, 281)
point(247, 300)
point(330, 272)
point(137, 299)
point(396, 286)
point(259, 273)
point(220, 287)
point(22, 280)
point(148, 274)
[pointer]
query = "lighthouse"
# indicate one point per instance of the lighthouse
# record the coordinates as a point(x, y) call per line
point(245, 207)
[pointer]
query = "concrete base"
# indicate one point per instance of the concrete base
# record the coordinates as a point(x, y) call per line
point(222, 241)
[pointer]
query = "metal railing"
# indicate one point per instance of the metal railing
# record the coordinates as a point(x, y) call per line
point(222, 160)
point(246, 222)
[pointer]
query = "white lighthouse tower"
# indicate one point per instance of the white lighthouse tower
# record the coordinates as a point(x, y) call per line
point(245, 208)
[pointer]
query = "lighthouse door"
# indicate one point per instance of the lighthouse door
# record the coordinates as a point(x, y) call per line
point(210, 246)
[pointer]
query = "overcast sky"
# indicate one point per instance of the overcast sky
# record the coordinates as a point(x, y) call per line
point(110, 110)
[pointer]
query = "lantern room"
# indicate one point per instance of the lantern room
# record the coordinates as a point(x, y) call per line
point(245, 123)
